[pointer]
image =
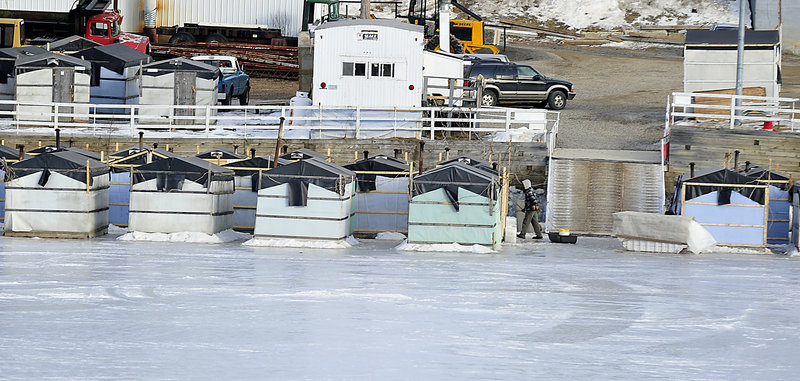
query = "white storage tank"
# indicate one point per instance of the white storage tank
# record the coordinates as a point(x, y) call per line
point(60, 194)
point(116, 78)
point(177, 81)
point(309, 199)
point(178, 194)
point(52, 77)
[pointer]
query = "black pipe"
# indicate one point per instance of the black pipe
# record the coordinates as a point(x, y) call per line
point(58, 138)
point(252, 153)
point(366, 154)
point(236, 148)
point(421, 160)
point(736, 160)
point(155, 145)
point(141, 140)
point(21, 148)
point(285, 149)
point(746, 166)
point(691, 170)
point(397, 153)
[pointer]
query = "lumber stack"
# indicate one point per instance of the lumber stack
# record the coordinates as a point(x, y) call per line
point(267, 61)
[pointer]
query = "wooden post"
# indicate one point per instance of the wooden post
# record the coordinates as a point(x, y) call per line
point(116, 147)
point(198, 149)
point(278, 144)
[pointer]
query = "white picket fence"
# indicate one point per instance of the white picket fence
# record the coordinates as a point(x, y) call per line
point(753, 111)
point(264, 121)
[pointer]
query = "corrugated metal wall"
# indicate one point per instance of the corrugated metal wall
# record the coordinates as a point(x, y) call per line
point(583, 195)
point(284, 14)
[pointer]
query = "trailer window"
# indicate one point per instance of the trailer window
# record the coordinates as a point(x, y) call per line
point(382, 70)
point(99, 29)
point(354, 69)
point(6, 36)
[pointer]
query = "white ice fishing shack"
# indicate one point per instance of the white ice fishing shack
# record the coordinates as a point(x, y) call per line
point(51, 77)
point(368, 63)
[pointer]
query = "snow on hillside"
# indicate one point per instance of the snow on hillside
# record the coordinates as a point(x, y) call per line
point(605, 14)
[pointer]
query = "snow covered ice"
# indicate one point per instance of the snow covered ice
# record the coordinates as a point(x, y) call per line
point(103, 308)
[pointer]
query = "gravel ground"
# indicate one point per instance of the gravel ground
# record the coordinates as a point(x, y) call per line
point(621, 93)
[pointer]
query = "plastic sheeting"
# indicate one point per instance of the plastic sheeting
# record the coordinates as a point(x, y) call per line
point(193, 207)
point(796, 216)
point(740, 223)
point(384, 209)
point(325, 217)
point(245, 195)
point(119, 198)
point(61, 208)
point(433, 220)
point(682, 230)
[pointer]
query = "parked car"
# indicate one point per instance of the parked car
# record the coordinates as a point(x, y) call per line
point(508, 82)
point(234, 82)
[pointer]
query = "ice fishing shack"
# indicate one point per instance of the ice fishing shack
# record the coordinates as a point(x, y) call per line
point(381, 200)
point(308, 199)
point(368, 63)
point(181, 194)
point(115, 75)
point(178, 81)
point(455, 203)
point(9, 156)
point(122, 164)
point(732, 207)
point(71, 44)
point(8, 57)
point(52, 77)
point(779, 187)
point(60, 194)
point(245, 195)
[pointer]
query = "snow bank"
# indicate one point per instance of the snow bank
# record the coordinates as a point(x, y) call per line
point(193, 237)
point(114, 229)
point(391, 236)
point(444, 247)
point(303, 243)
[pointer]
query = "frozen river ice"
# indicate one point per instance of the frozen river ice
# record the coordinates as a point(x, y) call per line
point(132, 310)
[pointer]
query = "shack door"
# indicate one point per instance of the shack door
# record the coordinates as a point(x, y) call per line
point(185, 93)
point(63, 87)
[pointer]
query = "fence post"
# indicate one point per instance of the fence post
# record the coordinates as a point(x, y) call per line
point(733, 111)
point(208, 118)
point(133, 120)
point(433, 123)
point(358, 120)
point(55, 116)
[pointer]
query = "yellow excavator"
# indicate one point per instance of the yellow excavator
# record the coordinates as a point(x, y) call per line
point(466, 36)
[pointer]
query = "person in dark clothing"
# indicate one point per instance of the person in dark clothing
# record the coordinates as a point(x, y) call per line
point(531, 211)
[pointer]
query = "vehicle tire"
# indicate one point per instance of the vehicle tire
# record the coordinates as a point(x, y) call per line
point(181, 38)
point(228, 97)
point(216, 37)
point(557, 100)
point(244, 99)
point(456, 47)
point(489, 98)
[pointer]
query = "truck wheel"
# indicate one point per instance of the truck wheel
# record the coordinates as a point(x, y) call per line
point(216, 37)
point(489, 98)
point(228, 96)
point(557, 100)
point(181, 38)
point(245, 97)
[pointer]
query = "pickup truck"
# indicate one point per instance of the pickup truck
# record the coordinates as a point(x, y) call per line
point(234, 83)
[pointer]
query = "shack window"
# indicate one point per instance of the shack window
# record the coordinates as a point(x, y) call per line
point(382, 70)
point(99, 29)
point(357, 69)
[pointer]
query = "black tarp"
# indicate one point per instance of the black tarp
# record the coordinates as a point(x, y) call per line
point(50, 60)
point(259, 162)
point(173, 170)
point(453, 176)
point(72, 44)
point(8, 153)
point(391, 168)
point(714, 176)
point(160, 68)
point(472, 163)
point(134, 156)
point(302, 154)
point(66, 147)
point(65, 162)
point(764, 175)
point(114, 57)
point(220, 153)
point(8, 59)
point(699, 38)
point(300, 174)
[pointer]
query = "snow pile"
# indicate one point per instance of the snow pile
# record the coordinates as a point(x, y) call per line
point(522, 134)
point(603, 14)
point(444, 247)
point(391, 236)
point(193, 237)
point(302, 243)
point(114, 229)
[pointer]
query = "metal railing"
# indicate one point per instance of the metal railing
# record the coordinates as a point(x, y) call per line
point(264, 121)
point(752, 112)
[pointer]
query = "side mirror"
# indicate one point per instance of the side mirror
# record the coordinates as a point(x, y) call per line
point(241, 67)
point(537, 77)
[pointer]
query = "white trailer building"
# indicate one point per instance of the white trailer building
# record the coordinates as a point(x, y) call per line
point(368, 63)
point(709, 61)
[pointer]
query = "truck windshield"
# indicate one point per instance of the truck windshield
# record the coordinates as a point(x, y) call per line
point(115, 31)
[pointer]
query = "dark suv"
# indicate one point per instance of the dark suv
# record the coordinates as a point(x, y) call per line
point(514, 83)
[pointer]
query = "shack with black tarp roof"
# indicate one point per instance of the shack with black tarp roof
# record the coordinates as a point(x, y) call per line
point(116, 76)
point(51, 78)
point(178, 81)
point(455, 203)
point(122, 163)
point(181, 194)
point(60, 194)
point(308, 199)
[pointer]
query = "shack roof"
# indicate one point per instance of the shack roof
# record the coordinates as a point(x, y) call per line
point(453, 176)
point(730, 38)
point(159, 68)
point(714, 176)
point(386, 166)
point(220, 153)
point(249, 166)
point(190, 168)
point(51, 59)
point(472, 163)
point(72, 44)
point(135, 156)
point(302, 154)
point(65, 162)
point(371, 23)
point(8, 153)
point(308, 171)
point(65, 147)
point(114, 57)
point(26, 51)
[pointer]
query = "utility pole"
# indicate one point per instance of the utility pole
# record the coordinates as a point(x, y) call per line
point(740, 62)
point(365, 7)
point(444, 25)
